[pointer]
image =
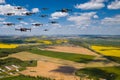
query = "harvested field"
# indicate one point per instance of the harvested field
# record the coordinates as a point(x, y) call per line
point(51, 70)
point(57, 68)
point(97, 62)
point(70, 49)
point(25, 56)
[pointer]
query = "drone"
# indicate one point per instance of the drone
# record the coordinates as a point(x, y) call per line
point(45, 29)
point(44, 8)
point(9, 24)
point(65, 10)
point(19, 18)
point(53, 22)
point(37, 24)
point(24, 29)
point(28, 13)
point(44, 15)
point(18, 7)
point(10, 14)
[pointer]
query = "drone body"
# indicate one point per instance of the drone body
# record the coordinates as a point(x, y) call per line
point(23, 29)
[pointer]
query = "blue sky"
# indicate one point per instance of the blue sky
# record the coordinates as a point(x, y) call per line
point(87, 17)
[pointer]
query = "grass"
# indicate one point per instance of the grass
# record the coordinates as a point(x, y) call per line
point(113, 58)
point(103, 42)
point(5, 52)
point(108, 73)
point(107, 51)
point(66, 56)
point(11, 61)
point(114, 70)
point(78, 42)
point(22, 77)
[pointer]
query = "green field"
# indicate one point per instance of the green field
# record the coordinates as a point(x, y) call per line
point(6, 52)
point(113, 58)
point(66, 56)
point(103, 42)
point(108, 73)
point(95, 41)
point(11, 61)
point(22, 77)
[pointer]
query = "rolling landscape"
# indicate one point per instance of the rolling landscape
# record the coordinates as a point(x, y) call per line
point(59, 39)
point(49, 58)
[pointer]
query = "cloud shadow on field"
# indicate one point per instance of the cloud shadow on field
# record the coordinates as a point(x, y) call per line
point(65, 69)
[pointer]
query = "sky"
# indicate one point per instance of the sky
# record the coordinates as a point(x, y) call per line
point(89, 17)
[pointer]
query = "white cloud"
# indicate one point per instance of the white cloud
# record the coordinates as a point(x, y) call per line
point(7, 8)
point(56, 25)
point(111, 20)
point(4, 9)
point(23, 22)
point(114, 5)
point(57, 15)
point(2, 1)
point(83, 19)
point(18, 25)
point(35, 10)
point(2, 19)
point(95, 16)
point(92, 4)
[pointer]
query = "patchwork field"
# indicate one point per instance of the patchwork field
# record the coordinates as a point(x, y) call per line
point(53, 67)
point(70, 49)
point(80, 58)
point(54, 71)
point(22, 77)
point(107, 51)
point(59, 69)
point(99, 73)
point(8, 45)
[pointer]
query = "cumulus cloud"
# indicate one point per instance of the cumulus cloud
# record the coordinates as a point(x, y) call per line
point(2, 19)
point(7, 8)
point(57, 15)
point(91, 5)
point(83, 19)
point(95, 16)
point(2, 1)
point(56, 25)
point(23, 22)
point(4, 9)
point(114, 5)
point(35, 10)
point(111, 20)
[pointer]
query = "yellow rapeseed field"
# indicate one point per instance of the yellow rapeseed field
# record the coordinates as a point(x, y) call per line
point(47, 42)
point(59, 41)
point(108, 51)
point(8, 45)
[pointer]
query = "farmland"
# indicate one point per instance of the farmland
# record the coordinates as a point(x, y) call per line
point(8, 45)
point(109, 73)
point(107, 51)
point(73, 58)
point(62, 55)
point(4, 52)
point(59, 39)
point(11, 66)
point(22, 77)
